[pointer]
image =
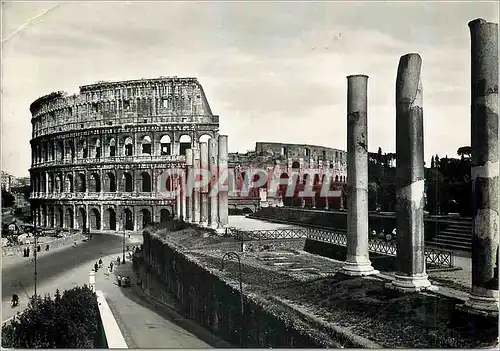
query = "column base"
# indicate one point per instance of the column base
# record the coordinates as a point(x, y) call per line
point(480, 305)
point(411, 283)
point(357, 269)
point(203, 224)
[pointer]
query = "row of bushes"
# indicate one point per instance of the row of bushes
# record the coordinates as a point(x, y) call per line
point(70, 320)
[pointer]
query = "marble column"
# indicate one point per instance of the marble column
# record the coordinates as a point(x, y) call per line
point(189, 187)
point(223, 191)
point(485, 167)
point(357, 261)
point(195, 217)
point(411, 275)
point(178, 200)
point(204, 189)
point(213, 152)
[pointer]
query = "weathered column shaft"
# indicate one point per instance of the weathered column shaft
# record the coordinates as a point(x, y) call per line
point(195, 218)
point(189, 187)
point(204, 189)
point(213, 152)
point(410, 174)
point(223, 171)
point(485, 166)
point(178, 200)
point(357, 261)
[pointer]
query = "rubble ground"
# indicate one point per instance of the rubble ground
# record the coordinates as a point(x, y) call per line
point(314, 285)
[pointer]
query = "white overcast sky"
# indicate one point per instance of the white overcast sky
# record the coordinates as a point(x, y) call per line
point(271, 71)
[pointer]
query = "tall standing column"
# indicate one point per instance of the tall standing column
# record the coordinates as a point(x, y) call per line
point(213, 155)
point(195, 218)
point(411, 274)
point(485, 166)
point(357, 262)
point(204, 189)
point(223, 191)
point(178, 201)
point(189, 186)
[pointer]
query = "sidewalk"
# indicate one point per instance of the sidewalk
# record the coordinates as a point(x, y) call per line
point(144, 322)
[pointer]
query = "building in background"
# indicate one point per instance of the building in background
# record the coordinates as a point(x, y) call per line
point(97, 156)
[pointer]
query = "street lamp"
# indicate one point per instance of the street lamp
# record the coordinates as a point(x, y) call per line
point(229, 255)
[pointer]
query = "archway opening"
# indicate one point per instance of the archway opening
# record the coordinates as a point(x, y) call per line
point(111, 182)
point(184, 143)
point(82, 184)
point(166, 145)
point(69, 218)
point(110, 219)
point(295, 164)
point(95, 183)
point(95, 219)
point(68, 184)
point(146, 182)
point(146, 218)
point(205, 138)
point(128, 188)
point(60, 217)
point(146, 145)
point(112, 147)
point(129, 147)
point(82, 219)
point(129, 220)
point(246, 211)
point(164, 216)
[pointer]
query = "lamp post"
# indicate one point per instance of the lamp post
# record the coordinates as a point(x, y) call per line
point(35, 256)
point(229, 255)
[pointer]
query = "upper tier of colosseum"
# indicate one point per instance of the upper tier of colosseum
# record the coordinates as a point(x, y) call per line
point(161, 100)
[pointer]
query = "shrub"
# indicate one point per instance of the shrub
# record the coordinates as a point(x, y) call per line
point(67, 321)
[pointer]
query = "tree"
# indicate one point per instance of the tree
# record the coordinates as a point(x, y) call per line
point(379, 155)
point(7, 199)
point(432, 162)
point(464, 151)
point(67, 321)
point(373, 190)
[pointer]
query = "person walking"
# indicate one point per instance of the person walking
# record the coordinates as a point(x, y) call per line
point(96, 267)
point(111, 266)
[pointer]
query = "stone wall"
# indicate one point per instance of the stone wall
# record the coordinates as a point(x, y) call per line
point(174, 278)
point(53, 244)
point(338, 220)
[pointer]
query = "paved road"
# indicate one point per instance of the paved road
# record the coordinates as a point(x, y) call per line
point(242, 222)
point(18, 277)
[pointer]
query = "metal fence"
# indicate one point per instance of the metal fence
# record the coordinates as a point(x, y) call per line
point(433, 257)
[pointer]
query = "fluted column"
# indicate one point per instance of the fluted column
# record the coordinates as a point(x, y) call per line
point(204, 188)
point(213, 152)
point(357, 261)
point(195, 218)
point(411, 275)
point(485, 167)
point(189, 186)
point(223, 191)
point(178, 199)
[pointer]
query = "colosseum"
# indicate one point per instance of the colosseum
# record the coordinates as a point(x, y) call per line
point(97, 156)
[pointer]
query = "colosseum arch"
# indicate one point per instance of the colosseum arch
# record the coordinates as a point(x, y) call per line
point(112, 147)
point(83, 149)
point(51, 183)
point(128, 146)
point(59, 188)
point(145, 182)
point(185, 143)
point(165, 145)
point(95, 219)
point(128, 218)
point(82, 218)
point(110, 219)
point(145, 217)
point(82, 183)
point(95, 183)
point(59, 150)
point(164, 215)
point(68, 218)
point(204, 138)
point(110, 182)
point(128, 185)
point(146, 145)
point(68, 183)
point(71, 149)
point(97, 145)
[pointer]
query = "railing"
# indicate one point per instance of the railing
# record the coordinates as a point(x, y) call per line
point(107, 159)
point(433, 257)
point(102, 196)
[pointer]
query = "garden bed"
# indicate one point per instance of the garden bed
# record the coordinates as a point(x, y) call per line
point(310, 285)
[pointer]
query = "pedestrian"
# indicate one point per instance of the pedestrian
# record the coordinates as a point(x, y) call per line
point(27, 252)
point(96, 267)
point(100, 263)
point(24, 252)
point(111, 267)
point(107, 272)
point(119, 280)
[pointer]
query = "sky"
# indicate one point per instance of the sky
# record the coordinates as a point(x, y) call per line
point(272, 71)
